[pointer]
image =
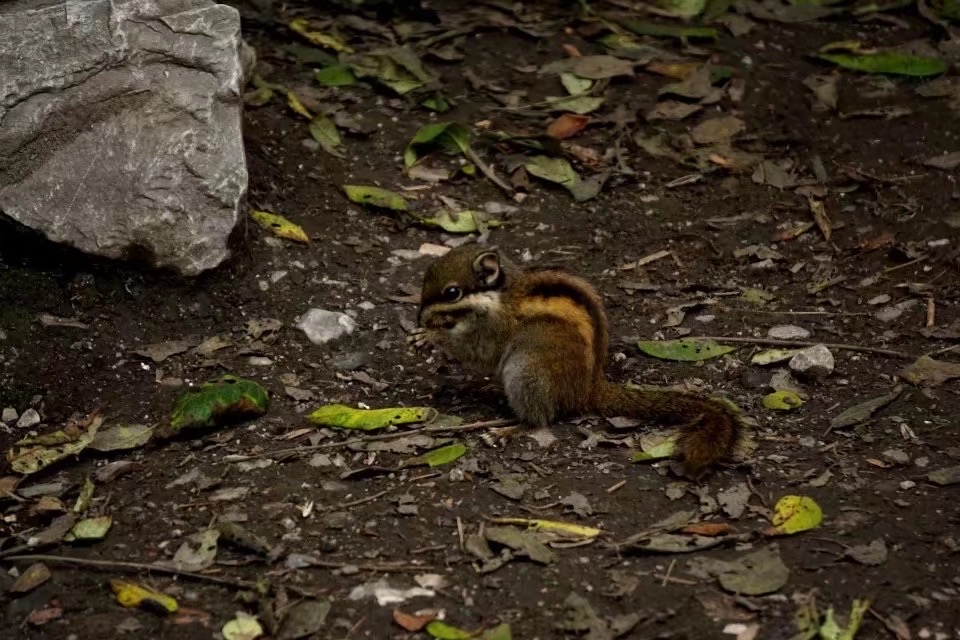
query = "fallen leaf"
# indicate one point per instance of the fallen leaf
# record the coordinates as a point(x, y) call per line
point(411, 622)
point(655, 448)
point(217, 403)
point(672, 110)
point(684, 350)
point(443, 631)
point(944, 477)
point(375, 197)
point(463, 221)
point(335, 75)
point(755, 574)
point(782, 400)
point(452, 137)
point(717, 130)
point(326, 40)
point(34, 453)
point(324, 131)
point(830, 630)
point(437, 457)
point(34, 576)
point(888, 62)
point(708, 529)
point(198, 551)
point(673, 543)
point(553, 526)
point(132, 595)
point(820, 217)
point(523, 542)
point(243, 627)
point(928, 372)
point(793, 514)
point(160, 351)
point(567, 126)
point(303, 619)
point(864, 411)
point(872, 554)
point(119, 437)
point(89, 529)
point(601, 66)
point(345, 417)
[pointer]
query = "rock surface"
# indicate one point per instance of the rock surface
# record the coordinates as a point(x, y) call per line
point(322, 326)
point(120, 126)
point(814, 362)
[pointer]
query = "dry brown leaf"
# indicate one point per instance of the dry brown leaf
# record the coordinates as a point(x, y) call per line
point(711, 529)
point(675, 70)
point(567, 126)
point(413, 622)
point(878, 241)
point(717, 130)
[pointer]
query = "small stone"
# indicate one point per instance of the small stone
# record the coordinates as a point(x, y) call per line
point(30, 418)
point(788, 332)
point(922, 461)
point(880, 299)
point(781, 380)
point(807, 442)
point(814, 362)
point(366, 305)
point(892, 312)
point(322, 326)
point(896, 456)
point(907, 484)
point(9, 415)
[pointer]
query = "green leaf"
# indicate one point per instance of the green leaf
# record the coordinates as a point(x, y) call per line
point(499, 632)
point(793, 514)
point(682, 8)
point(671, 31)
point(556, 170)
point(755, 574)
point(336, 75)
point(33, 453)
point(438, 104)
point(216, 403)
point(440, 456)
point(345, 417)
point(772, 356)
point(375, 197)
point(575, 104)
point(684, 350)
point(325, 132)
point(243, 627)
point(90, 529)
point(452, 137)
point(443, 631)
point(830, 630)
point(466, 221)
point(574, 84)
point(889, 62)
point(665, 448)
point(118, 437)
point(782, 400)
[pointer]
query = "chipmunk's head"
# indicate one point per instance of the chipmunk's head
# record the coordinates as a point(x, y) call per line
point(460, 285)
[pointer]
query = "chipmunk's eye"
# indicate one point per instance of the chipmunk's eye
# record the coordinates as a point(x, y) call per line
point(452, 294)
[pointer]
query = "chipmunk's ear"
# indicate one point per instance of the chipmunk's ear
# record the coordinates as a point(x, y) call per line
point(487, 267)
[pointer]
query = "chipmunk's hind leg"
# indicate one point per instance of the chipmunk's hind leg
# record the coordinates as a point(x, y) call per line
point(543, 373)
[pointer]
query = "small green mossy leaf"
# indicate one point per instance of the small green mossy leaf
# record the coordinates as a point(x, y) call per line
point(375, 197)
point(342, 416)
point(685, 350)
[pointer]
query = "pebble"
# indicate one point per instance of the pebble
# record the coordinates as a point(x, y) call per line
point(366, 305)
point(781, 380)
point(880, 299)
point(888, 314)
point(9, 415)
point(896, 456)
point(813, 362)
point(907, 484)
point(322, 326)
point(788, 332)
point(30, 418)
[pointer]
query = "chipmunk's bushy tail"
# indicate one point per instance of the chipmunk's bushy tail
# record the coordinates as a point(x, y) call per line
point(710, 431)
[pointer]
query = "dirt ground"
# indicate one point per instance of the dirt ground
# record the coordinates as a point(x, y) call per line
point(889, 533)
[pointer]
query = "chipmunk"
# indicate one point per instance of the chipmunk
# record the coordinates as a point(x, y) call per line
point(543, 334)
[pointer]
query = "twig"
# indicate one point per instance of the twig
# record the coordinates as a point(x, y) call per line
point(666, 577)
point(133, 566)
point(773, 342)
point(771, 312)
point(472, 426)
point(487, 170)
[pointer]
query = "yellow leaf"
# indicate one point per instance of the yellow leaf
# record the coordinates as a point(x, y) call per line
point(344, 417)
point(301, 26)
point(280, 226)
point(243, 627)
point(133, 595)
point(574, 530)
point(793, 514)
point(298, 106)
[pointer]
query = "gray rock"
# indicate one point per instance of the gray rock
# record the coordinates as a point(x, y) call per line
point(813, 362)
point(896, 456)
point(9, 415)
point(30, 418)
point(788, 332)
point(120, 126)
point(322, 326)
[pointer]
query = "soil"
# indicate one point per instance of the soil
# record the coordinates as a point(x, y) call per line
point(870, 480)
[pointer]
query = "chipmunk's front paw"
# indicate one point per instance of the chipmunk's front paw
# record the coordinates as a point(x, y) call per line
point(419, 339)
point(499, 436)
